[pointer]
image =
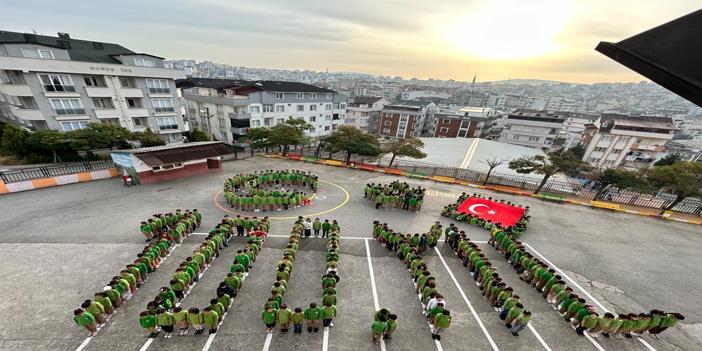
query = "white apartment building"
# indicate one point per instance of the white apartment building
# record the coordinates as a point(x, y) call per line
point(633, 142)
point(414, 95)
point(536, 129)
point(574, 127)
point(226, 109)
point(63, 84)
point(363, 112)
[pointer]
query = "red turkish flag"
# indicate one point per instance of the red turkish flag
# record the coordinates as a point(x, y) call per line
point(496, 212)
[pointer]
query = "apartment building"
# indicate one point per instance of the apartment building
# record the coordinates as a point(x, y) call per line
point(633, 142)
point(363, 112)
point(537, 129)
point(406, 120)
point(226, 109)
point(464, 122)
point(63, 84)
point(574, 127)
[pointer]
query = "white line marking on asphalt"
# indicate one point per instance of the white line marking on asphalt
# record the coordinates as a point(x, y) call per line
point(600, 305)
point(325, 339)
point(465, 299)
point(594, 343)
point(267, 344)
point(211, 337)
point(90, 338)
point(146, 344)
point(373, 289)
point(538, 337)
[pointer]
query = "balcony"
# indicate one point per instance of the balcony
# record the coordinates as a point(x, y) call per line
point(131, 92)
point(137, 112)
point(655, 148)
point(99, 91)
point(164, 109)
point(28, 114)
point(239, 131)
point(107, 113)
point(239, 115)
point(15, 89)
point(59, 88)
point(70, 111)
point(168, 128)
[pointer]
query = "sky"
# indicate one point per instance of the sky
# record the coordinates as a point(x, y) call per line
point(441, 39)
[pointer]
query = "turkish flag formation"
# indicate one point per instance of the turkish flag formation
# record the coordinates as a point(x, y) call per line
point(496, 212)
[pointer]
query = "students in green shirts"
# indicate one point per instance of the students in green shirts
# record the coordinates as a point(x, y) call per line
point(85, 320)
point(164, 319)
point(312, 316)
point(520, 322)
point(297, 318)
point(328, 313)
point(210, 319)
point(148, 322)
point(180, 317)
point(392, 326)
point(316, 227)
point(284, 317)
point(195, 318)
point(269, 316)
point(440, 322)
point(378, 328)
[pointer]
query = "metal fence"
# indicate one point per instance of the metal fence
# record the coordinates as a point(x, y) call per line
point(572, 188)
point(18, 175)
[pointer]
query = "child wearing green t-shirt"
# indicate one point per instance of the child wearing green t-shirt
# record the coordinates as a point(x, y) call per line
point(378, 327)
point(180, 316)
point(269, 316)
point(440, 322)
point(148, 322)
point(85, 320)
point(392, 325)
point(195, 319)
point(297, 318)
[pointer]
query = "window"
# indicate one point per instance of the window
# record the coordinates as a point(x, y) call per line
point(255, 123)
point(140, 122)
point(328, 96)
point(174, 138)
point(606, 138)
point(616, 151)
point(328, 118)
point(313, 96)
point(388, 123)
point(279, 108)
point(133, 102)
point(73, 125)
point(534, 139)
point(300, 95)
point(38, 54)
point(127, 82)
point(342, 106)
point(158, 86)
point(313, 119)
point(56, 82)
point(67, 106)
point(300, 108)
point(254, 109)
point(386, 130)
point(600, 149)
point(94, 81)
point(113, 121)
point(12, 77)
point(609, 162)
point(24, 102)
point(313, 107)
point(403, 118)
point(444, 130)
point(139, 61)
point(403, 125)
point(515, 137)
point(220, 110)
point(328, 107)
point(223, 136)
point(593, 160)
point(167, 123)
point(163, 105)
point(326, 128)
point(279, 96)
point(103, 102)
point(280, 120)
point(222, 123)
point(268, 122)
point(267, 108)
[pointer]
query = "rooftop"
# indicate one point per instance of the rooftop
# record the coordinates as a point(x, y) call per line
point(364, 100)
point(260, 85)
point(158, 155)
point(78, 49)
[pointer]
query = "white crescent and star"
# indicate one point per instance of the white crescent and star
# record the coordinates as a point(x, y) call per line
point(473, 208)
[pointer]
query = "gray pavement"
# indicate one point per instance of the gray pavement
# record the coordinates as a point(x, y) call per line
point(60, 245)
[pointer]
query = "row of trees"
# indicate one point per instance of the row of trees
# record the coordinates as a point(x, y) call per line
point(346, 139)
point(682, 179)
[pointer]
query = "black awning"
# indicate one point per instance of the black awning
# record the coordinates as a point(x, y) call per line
point(670, 55)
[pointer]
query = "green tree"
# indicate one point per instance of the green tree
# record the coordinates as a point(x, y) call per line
point(285, 135)
point(578, 150)
point(555, 162)
point(54, 142)
point(14, 141)
point(100, 136)
point(668, 160)
point(621, 179)
point(352, 140)
point(195, 135)
point(411, 147)
point(148, 138)
point(492, 163)
point(683, 179)
point(258, 138)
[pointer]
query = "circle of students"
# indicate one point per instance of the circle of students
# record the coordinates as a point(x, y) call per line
point(408, 249)
point(275, 311)
point(395, 195)
point(168, 230)
point(250, 192)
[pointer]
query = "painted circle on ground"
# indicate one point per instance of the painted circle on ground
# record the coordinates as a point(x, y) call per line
point(321, 197)
point(215, 198)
